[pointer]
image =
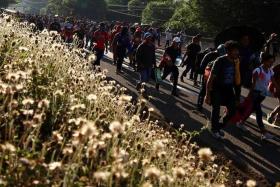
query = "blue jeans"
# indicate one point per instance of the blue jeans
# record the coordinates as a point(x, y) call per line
point(257, 100)
point(145, 74)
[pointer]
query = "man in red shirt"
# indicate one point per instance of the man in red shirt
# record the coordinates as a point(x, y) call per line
point(100, 38)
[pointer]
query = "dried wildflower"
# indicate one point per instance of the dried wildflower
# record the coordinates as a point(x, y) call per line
point(119, 172)
point(116, 128)
point(28, 112)
point(54, 165)
point(92, 57)
point(135, 119)
point(12, 77)
point(44, 103)
point(19, 87)
point(151, 109)
point(178, 172)
point(14, 104)
point(205, 154)
point(166, 179)
point(120, 155)
point(105, 71)
point(28, 101)
point(218, 185)
point(125, 98)
point(59, 93)
point(91, 97)
point(89, 129)
point(158, 145)
point(78, 106)
point(238, 182)
point(57, 136)
point(251, 183)
point(37, 118)
point(152, 173)
point(147, 184)
point(23, 49)
point(106, 136)
point(67, 151)
point(8, 147)
point(101, 176)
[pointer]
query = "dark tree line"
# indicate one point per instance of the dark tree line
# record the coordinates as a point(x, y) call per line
point(208, 16)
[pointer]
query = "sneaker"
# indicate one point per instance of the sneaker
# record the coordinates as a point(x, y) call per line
point(269, 118)
point(217, 135)
point(174, 93)
point(157, 86)
point(195, 84)
point(277, 122)
point(242, 127)
point(199, 108)
point(119, 72)
point(221, 133)
point(267, 136)
point(182, 79)
point(138, 86)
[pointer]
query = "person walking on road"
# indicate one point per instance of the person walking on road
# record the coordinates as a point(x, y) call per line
point(100, 38)
point(274, 116)
point(220, 88)
point(191, 54)
point(261, 78)
point(145, 59)
point(122, 43)
point(168, 64)
point(205, 69)
point(168, 38)
point(116, 30)
point(136, 41)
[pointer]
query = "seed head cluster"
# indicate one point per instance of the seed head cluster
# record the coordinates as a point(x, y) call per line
point(63, 124)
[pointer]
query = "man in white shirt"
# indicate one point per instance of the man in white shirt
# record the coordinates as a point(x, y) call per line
point(168, 38)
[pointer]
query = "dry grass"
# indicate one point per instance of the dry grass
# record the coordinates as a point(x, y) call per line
point(65, 125)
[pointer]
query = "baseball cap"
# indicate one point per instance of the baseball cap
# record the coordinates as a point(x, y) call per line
point(176, 39)
point(147, 35)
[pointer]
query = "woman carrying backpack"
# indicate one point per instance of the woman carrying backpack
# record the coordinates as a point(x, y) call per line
point(262, 76)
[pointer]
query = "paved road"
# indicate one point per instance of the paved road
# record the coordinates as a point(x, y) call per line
point(243, 148)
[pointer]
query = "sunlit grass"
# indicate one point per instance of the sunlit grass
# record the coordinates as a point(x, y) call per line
point(64, 125)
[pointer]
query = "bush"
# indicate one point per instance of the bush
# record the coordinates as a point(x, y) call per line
point(157, 13)
point(64, 125)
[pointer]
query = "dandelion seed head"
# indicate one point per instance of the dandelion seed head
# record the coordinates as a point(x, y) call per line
point(54, 165)
point(91, 97)
point(152, 173)
point(28, 101)
point(251, 183)
point(205, 154)
point(116, 127)
point(101, 176)
point(8, 147)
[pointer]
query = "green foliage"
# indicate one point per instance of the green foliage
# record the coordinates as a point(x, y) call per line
point(185, 18)
point(84, 8)
point(135, 6)
point(122, 2)
point(212, 16)
point(5, 3)
point(157, 13)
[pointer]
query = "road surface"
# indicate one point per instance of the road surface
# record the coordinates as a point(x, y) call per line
point(244, 148)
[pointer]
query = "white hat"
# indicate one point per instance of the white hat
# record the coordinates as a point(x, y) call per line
point(176, 39)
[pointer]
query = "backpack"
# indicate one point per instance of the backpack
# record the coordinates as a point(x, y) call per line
point(208, 70)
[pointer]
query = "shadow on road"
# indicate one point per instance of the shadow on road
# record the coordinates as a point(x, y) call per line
point(243, 148)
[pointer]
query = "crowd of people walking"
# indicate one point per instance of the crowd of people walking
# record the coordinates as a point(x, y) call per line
point(225, 70)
